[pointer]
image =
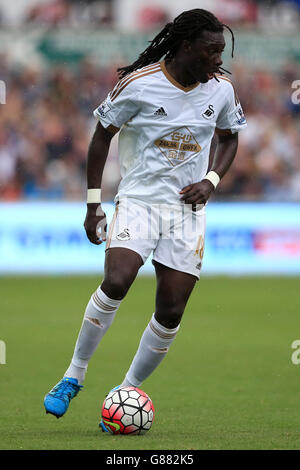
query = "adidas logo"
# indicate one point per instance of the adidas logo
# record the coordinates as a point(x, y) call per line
point(160, 112)
point(198, 266)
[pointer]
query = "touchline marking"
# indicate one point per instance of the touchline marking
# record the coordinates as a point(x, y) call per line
point(2, 352)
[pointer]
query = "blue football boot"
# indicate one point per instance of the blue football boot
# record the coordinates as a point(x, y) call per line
point(57, 401)
point(101, 424)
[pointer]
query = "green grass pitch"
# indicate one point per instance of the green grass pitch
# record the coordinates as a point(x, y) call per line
point(228, 381)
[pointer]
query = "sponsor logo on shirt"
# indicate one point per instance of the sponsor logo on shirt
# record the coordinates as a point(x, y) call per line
point(178, 146)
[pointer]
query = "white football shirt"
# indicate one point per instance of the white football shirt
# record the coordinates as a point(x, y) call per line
point(166, 130)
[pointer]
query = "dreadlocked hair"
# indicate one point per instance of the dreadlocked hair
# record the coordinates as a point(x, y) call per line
point(188, 25)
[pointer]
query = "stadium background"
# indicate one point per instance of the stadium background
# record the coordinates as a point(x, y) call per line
point(58, 60)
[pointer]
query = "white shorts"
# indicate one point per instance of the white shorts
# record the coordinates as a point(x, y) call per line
point(175, 234)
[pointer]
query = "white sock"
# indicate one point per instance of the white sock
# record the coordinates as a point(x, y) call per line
point(98, 317)
point(153, 347)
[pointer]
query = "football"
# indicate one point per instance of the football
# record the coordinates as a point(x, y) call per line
point(127, 410)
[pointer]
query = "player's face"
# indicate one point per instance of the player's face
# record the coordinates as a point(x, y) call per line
point(203, 57)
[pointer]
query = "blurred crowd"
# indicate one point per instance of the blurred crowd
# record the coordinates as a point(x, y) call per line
point(147, 15)
point(71, 13)
point(47, 123)
point(267, 166)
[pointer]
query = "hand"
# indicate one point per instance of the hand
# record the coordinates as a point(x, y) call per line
point(197, 193)
point(95, 224)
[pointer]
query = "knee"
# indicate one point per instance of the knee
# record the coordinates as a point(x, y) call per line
point(169, 316)
point(115, 287)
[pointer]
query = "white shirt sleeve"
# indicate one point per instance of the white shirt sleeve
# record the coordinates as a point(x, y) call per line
point(120, 105)
point(231, 117)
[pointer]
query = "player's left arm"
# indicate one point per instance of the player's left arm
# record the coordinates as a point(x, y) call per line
point(199, 193)
point(229, 122)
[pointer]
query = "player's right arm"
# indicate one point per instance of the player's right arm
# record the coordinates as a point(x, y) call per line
point(95, 220)
point(120, 105)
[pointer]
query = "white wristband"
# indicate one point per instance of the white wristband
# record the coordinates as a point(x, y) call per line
point(93, 196)
point(213, 177)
